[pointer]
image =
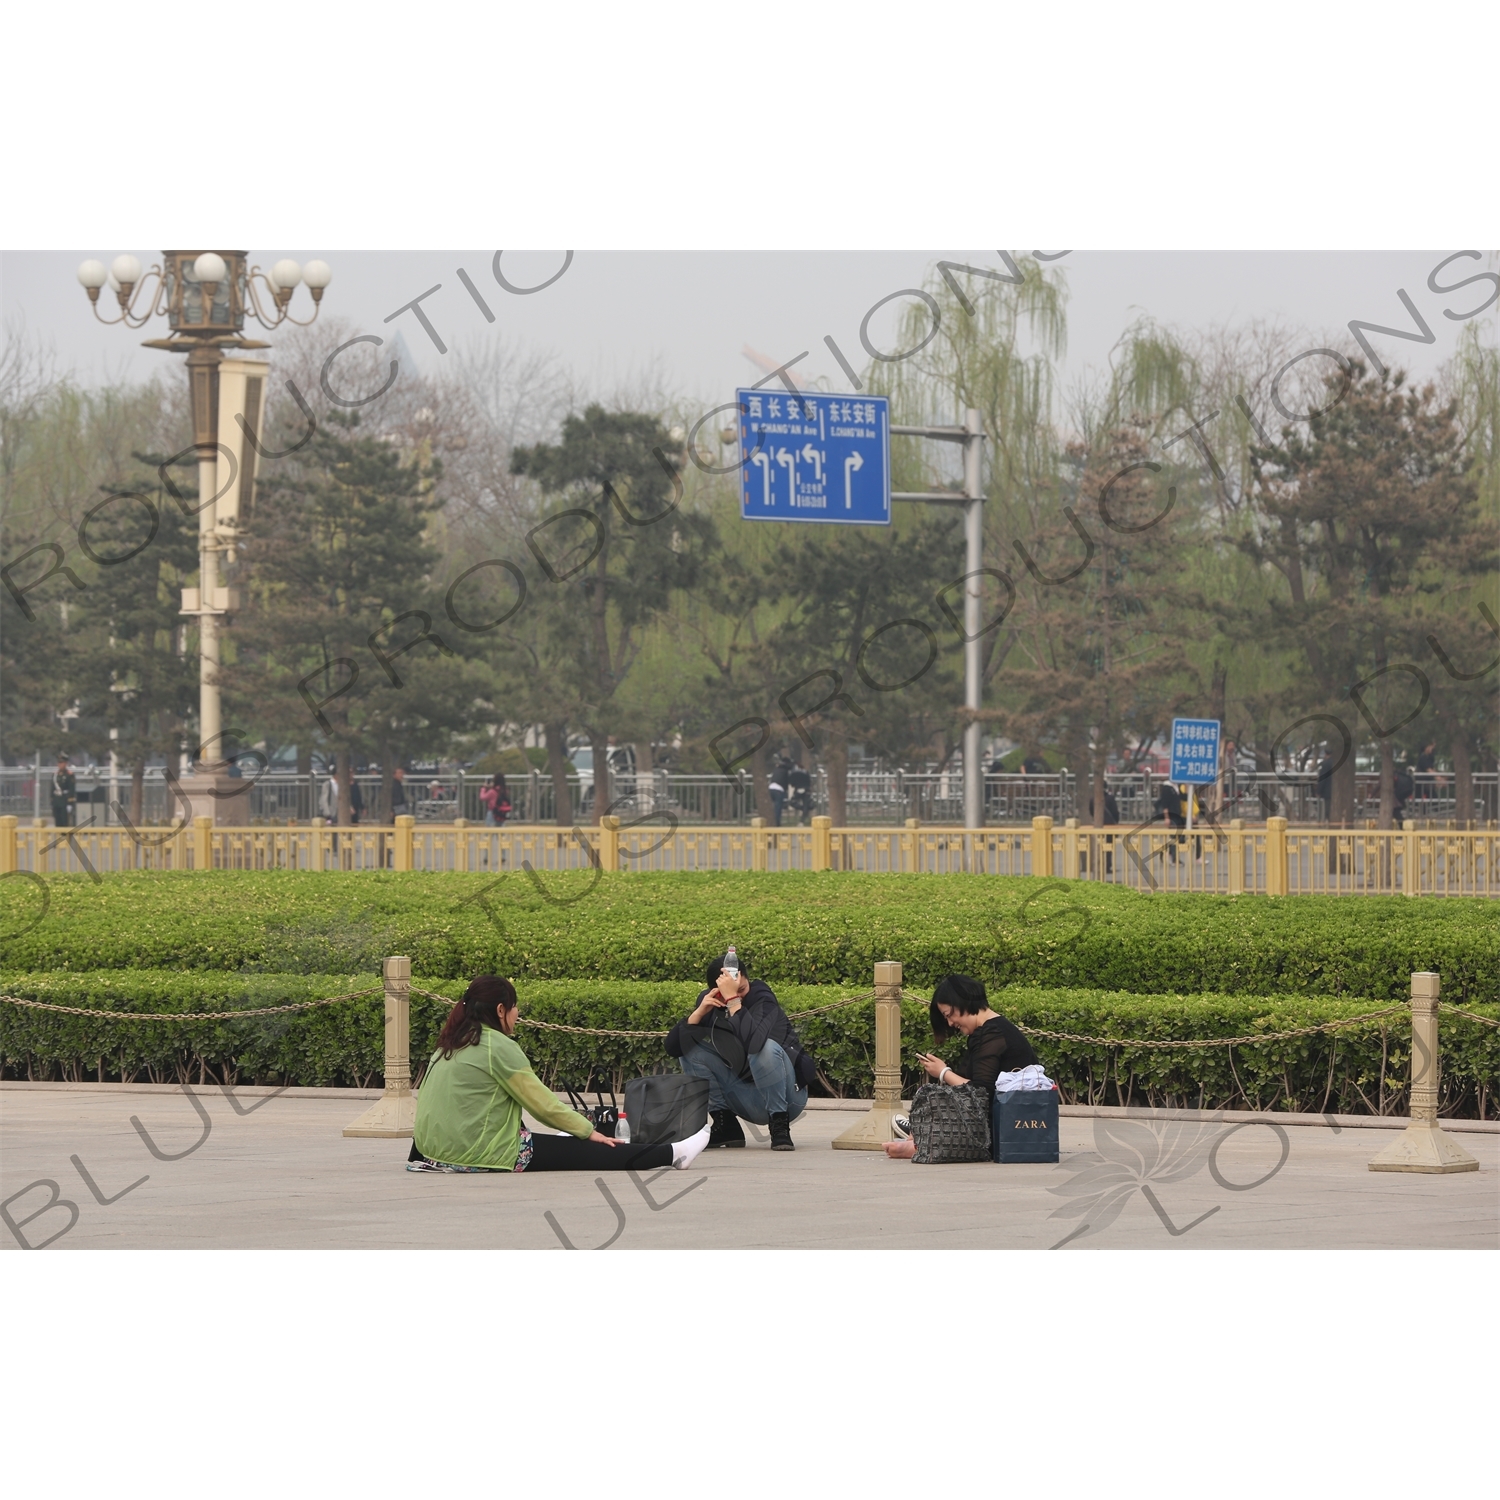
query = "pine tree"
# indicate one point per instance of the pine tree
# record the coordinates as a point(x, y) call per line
point(334, 557)
point(1352, 511)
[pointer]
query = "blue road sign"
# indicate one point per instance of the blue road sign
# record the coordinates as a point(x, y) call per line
point(1195, 751)
point(810, 457)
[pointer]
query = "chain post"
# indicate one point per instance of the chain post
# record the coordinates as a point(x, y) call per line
point(395, 1114)
point(1423, 1146)
point(875, 1128)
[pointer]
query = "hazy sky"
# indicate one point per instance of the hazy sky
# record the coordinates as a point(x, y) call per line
point(684, 318)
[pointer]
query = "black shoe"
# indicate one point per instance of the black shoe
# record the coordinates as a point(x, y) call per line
point(781, 1133)
point(726, 1131)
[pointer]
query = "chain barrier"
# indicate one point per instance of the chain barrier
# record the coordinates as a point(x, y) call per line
point(188, 1015)
point(1199, 1042)
point(795, 1015)
point(1469, 1015)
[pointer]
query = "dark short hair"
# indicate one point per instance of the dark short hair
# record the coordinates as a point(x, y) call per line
point(716, 967)
point(959, 992)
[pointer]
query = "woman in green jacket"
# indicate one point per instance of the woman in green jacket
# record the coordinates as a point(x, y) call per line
point(477, 1083)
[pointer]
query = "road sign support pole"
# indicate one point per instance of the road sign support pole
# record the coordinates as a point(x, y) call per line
point(973, 604)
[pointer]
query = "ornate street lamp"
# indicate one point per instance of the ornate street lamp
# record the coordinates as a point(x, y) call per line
point(205, 296)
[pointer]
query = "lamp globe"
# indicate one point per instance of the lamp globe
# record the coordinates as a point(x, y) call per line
point(210, 268)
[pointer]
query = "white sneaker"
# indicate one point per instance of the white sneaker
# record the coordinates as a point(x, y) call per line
point(685, 1153)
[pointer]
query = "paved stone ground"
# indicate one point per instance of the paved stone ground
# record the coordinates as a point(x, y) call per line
point(282, 1177)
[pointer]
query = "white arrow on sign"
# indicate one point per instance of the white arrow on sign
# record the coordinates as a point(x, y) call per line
point(815, 458)
point(855, 462)
point(788, 459)
point(765, 464)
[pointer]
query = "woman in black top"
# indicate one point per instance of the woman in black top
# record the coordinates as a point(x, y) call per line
point(961, 1007)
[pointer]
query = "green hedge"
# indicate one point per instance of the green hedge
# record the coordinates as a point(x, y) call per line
point(1356, 1071)
point(796, 928)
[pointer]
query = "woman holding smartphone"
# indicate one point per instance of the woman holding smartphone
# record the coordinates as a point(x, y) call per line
point(478, 1081)
point(960, 1007)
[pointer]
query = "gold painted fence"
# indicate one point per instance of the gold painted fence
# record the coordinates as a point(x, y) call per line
point(1273, 860)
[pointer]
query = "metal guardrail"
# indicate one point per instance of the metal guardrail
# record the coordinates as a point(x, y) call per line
point(873, 798)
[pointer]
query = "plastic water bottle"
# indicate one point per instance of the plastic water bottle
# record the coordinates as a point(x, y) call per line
point(732, 963)
point(622, 1129)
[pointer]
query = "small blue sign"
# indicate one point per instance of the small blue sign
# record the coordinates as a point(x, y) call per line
point(811, 457)
point(1195, 751)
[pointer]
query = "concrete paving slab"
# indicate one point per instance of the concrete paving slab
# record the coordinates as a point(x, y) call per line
point(95, 1168)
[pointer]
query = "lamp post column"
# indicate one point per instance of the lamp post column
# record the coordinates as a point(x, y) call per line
point(973, 646)
point(203, 374)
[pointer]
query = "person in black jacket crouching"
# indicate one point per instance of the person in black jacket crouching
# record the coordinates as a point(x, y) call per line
point(740, 1040)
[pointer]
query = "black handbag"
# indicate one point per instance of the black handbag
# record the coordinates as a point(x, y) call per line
point(603, 1117)
point(951, 1124)
point(664, 1107)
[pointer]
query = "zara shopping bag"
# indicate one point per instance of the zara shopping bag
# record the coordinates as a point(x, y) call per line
point(1024, 1126)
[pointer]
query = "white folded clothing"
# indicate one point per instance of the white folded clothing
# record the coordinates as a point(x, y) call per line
point(1024, 1081)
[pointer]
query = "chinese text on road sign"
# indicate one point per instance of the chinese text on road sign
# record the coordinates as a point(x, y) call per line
point(811, 457)
point(1195, 751)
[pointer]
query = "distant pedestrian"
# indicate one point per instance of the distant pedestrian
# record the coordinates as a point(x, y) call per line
point(799, 785)
point(1402, 788)
point(1111, 809)
point(356, 799)
point(1326, 769)
point(1111, 820)
point(64, 793)
point(399, 808)
point(779, 784)
point(1169, 806)
point(1427, 767)
point(496, 799)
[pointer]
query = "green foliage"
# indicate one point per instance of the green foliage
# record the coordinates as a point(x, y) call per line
point(1359, 1070)
point(794, 928)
